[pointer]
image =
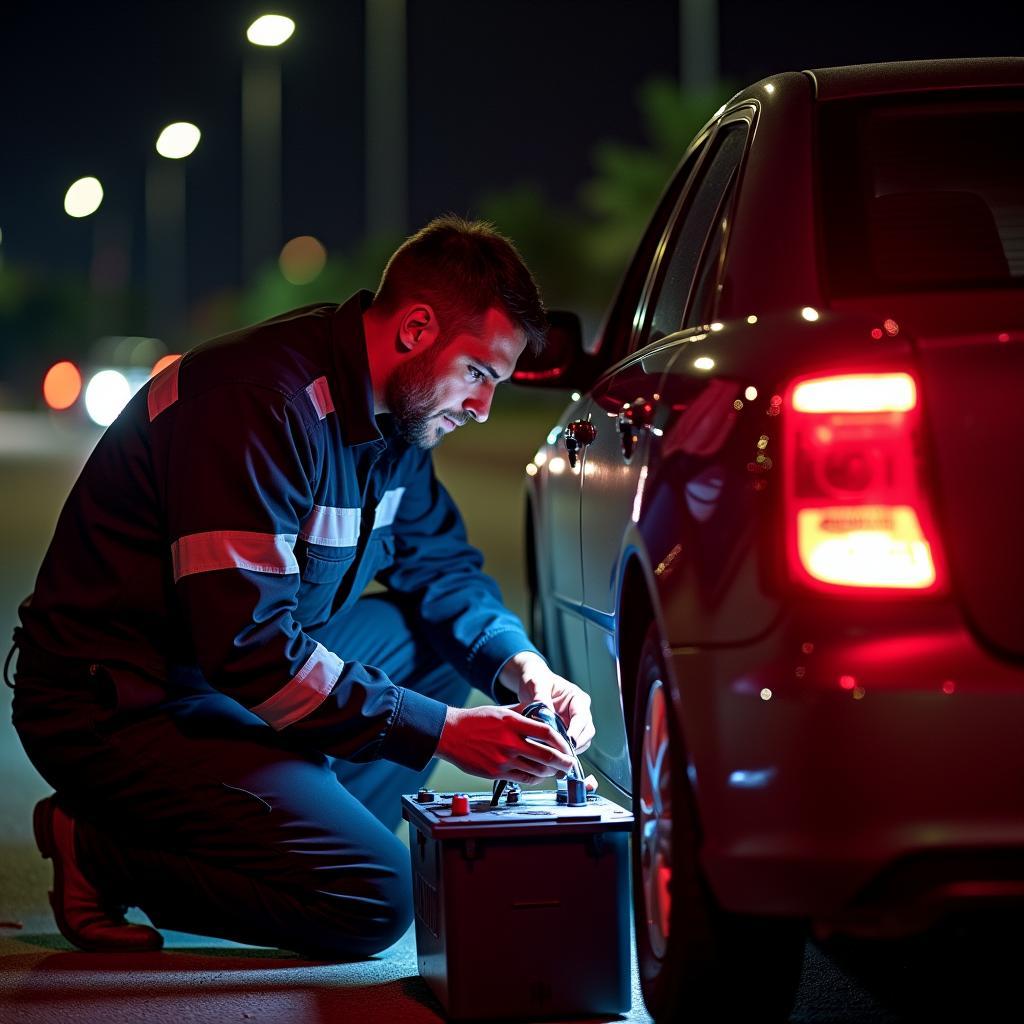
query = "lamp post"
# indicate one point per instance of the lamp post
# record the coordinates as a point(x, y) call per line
point(261, 141)
point(108, 263)
point(698, 44)
point(82, 200)
point(386, 132)
point(166, 261)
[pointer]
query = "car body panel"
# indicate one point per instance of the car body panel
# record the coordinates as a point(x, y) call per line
point(832, 739)
point(808, 784)
point(614, 485)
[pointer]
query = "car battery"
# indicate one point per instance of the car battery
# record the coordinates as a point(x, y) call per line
point(522, 909)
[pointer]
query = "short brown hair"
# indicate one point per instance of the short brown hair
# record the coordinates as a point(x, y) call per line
point(464, 268)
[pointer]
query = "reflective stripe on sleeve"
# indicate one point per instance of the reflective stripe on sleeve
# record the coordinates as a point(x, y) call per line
point(320, 395)
point(335, 527)
point(163, 390)
point(388, 507)
point(234, 549)
point(304, 693)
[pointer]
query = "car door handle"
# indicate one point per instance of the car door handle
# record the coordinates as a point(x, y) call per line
point(577, 435)
point(633, 417)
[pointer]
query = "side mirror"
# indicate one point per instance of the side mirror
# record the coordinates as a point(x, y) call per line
point(562, 363)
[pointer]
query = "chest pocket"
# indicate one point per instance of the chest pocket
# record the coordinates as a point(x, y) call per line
point(322, 571)
point(327, 551)
point(331, 572)
point(328, 566)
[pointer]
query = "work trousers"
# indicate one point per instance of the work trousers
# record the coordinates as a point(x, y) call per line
point(211, 822)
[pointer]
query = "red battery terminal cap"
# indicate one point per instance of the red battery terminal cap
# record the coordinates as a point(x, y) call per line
point(460, 804)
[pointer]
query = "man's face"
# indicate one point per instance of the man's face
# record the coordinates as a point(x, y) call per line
point(453, 381)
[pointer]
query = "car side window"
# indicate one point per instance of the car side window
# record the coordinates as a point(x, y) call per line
point(688, 235)
point(702, 298)
point(619, 328)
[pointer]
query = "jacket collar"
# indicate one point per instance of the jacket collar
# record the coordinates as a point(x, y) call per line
point(352, 372)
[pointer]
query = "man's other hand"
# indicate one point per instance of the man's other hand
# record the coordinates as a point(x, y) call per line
point(499, 743)
point(528, 675)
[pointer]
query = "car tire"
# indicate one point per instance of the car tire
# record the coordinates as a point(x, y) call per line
point(697, 962)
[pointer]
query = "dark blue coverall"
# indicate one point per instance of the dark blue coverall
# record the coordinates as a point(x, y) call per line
point(228, 718)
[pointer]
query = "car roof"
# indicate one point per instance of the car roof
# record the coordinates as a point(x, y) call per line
point(915, 76)
point(894, 77)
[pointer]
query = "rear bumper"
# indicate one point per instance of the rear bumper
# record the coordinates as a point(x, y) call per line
point(827, 759)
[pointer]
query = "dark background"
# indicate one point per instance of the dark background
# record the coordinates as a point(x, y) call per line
point(500, 93)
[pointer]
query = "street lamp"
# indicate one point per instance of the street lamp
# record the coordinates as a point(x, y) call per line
point(83, 197)
point(261, 141)
point(178, 140)
point(165, 226)
point(270, 30)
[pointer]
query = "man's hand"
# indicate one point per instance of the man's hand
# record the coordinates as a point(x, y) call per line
point(499, 743)
point(527, 675)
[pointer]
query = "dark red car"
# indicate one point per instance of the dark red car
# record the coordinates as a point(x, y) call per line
point(779, 537)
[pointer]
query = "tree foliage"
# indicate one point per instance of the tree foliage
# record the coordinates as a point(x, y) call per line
point(579, 254)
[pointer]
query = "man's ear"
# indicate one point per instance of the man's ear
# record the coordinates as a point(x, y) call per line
point(418, 327)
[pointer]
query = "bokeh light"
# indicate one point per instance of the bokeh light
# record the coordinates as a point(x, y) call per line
point(83, 197)
point(270, 30)
point(62, 385)
point(178, 140)
point(302, 260)
point(106, 395)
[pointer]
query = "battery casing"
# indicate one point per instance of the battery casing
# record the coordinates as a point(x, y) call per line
point(522, 913)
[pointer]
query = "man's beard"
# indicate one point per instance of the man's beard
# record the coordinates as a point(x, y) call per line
point(411, 395)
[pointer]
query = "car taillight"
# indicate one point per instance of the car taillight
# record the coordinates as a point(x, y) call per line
point(857, 515)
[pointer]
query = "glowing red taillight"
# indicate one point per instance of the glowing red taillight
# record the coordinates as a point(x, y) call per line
point(857, 515)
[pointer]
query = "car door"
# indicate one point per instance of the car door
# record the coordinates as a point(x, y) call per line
point(629, 410)
point(560, 573)
point(559, 568)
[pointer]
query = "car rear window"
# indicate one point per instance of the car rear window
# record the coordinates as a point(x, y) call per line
point(922, 194)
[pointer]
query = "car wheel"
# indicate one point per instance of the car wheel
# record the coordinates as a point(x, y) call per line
point(696, 961)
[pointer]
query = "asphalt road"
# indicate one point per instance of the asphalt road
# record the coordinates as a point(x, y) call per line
point(965, 972)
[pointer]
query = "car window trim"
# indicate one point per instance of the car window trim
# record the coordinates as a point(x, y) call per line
point(747, 116)
point(703, 142)
point(676, 338)
point(744, 115)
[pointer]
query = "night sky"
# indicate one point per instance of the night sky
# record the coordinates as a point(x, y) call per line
point(500, 92)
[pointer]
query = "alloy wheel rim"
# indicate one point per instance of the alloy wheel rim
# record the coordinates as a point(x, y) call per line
point(656, 821)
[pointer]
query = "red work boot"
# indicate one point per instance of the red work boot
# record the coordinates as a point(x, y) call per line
point(83, 916)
